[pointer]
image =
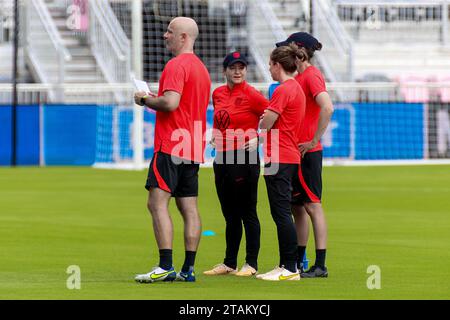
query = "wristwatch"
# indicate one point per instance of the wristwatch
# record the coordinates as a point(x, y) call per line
point(142, 101)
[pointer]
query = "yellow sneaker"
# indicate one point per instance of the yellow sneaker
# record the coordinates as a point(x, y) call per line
point(220, 269)
point(246, 271)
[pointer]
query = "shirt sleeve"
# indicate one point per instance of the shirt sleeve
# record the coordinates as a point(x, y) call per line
point(316, 84)
point(175, 77)
point(214, 97)
point(279, 100)
point(258, 103)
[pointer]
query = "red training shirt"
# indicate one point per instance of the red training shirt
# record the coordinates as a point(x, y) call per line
point(237, 109)
point(312, 83)
point(187, 75)
point(288, 100)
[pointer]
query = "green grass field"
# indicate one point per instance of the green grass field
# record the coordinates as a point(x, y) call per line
point(395, 217)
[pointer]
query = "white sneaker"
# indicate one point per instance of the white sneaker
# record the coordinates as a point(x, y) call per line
point(282, 275)
point(246, 271)
point(157, 274)
point(276, 270)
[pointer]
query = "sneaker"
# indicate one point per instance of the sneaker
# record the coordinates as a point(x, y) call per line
point(246, 271)
point(220, 269)
point(315, 272)
point(282, 275)
point(157, 274)
point(274, 271)
point(186, 276)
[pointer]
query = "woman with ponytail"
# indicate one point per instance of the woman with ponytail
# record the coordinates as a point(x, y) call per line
point(280, 126)
point(307, 189)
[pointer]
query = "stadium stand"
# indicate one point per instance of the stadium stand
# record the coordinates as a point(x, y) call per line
point(383, 42)
point(359, 37)
point(414, 89)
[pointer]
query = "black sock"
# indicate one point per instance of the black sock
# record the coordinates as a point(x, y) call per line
point(301, 254)
point(320, 257)
point(189, 260)
point(291, 266)
point(165, 259)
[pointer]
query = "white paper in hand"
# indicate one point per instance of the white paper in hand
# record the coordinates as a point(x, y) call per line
point(142, 86)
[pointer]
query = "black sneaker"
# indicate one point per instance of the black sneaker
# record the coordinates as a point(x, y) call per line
point(315, 272)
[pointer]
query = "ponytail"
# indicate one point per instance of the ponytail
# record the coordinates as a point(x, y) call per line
point(287, 56)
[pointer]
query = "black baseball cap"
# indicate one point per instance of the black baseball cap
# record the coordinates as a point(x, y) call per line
point(301, 39)
point(234, 57)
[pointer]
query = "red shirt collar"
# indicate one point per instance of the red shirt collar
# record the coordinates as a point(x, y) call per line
point(237, 87)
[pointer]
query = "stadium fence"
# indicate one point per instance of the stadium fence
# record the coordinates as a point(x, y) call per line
point(372, 124)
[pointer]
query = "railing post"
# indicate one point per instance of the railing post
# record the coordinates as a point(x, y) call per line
point(350, 62)
point(1, 28)
point(444, 24)
point(25, 27)
point(313, 17)
point(61, 71)
point(138, 111)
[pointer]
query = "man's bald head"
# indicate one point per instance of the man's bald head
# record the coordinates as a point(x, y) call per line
point(181, 35)
point(185, 25)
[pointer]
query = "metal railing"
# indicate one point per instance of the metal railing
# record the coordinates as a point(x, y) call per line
point(336, 58)
point(109, 43)
point(103, 93)
point(396, 21)
point(44, 47)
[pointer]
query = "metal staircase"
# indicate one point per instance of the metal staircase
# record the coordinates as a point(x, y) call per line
point(273, 21)
point(82, 67)
point(57, 55)
point(362, 39)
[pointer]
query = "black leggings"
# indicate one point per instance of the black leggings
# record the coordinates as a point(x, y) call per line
point(237, 189)
point(279, 189)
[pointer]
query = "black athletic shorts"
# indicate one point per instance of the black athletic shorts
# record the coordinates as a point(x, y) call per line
point(176, 177)
point(308, 185)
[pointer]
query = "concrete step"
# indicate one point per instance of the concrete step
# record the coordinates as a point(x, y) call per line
point(399, 50)
point(71, 42)
point(291, 12)
point(81, 67)
point(66, 33)
point(386, 36)
point(89, 59)
point(88, 78)
point(413, 63)
point(57, 13)
point(278, 3)
point(60, 23)
point(80, 51)
point(73, 68)
point(394, 73)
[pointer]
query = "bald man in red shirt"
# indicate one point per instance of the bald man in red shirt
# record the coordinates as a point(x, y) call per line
point(183, 97)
